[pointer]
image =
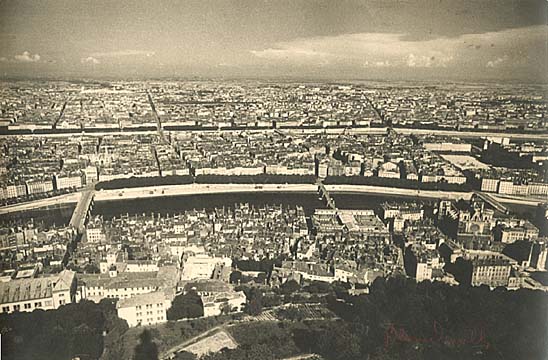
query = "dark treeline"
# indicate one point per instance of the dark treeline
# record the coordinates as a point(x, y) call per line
point(401, 319)
point(133, 182)
point(70, 331)
point(255, 179)
point(144, 181)
point(265, 265)
point(496, 324)
point(434, 126)
point(398, 319)
point(497, 155)
point(186, 306)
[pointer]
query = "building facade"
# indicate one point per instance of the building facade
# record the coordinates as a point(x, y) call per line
point(46, 292)
point(144, 309)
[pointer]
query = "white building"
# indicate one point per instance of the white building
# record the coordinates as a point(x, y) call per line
point(91, 174)
point(231, 301)
point(217, 296)
point(126, 285)
point(424, 272)
point(13, 191)
point(538, 189)
point(95, 234)
point(65, 182)
point(201, 266)
point(448, 147)
point(389, 170)
point(144, 309)
point(46, 292)
point(343, 273)
point(489, 185)
point(506, 187)
point(141, 266)
point(39, 186)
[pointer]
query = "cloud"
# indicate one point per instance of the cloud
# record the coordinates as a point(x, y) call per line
point(227, 65)
point(364, 49)
point(379, 64)
point(497, 62)
point(90, 60)
point(396, 50)
point(293, 53)
point(290, 52)
point(122, 53)
point(422, 61)
point(27, 57)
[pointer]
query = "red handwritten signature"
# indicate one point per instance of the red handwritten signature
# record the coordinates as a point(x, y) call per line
point(474, 336)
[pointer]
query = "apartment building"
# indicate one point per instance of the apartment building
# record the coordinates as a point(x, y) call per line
point(43, 292)
point(144, 309)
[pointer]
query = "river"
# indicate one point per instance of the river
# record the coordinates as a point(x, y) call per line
point(60, 215)
point(170, 205)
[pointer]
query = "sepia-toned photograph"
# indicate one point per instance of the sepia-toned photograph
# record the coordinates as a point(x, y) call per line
point(273, 180)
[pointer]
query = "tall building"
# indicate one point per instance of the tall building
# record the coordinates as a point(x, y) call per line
point(475, 224)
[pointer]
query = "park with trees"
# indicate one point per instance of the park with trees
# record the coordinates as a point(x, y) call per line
point(397, 319)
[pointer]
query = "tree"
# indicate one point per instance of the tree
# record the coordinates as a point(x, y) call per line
point(518, 250)
point(146, 349)
point(289, 287)
point(186, 306)
point(271, 300)
point(255, 305)
point(235, 277)
point(318, 287)
point(261, 279)
point(462, 270)
point(291, 313)
point(70, 331)
point(185, 355)
point(91, 269)
point(225, 309)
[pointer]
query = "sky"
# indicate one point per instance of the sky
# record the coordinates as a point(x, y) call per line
point(463, 40)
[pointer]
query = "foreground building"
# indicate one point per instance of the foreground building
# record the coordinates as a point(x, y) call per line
point(217, 297)
point(489, 268)
point(144, 309)
point(44, 292)
point(202, 266)
point(115, 285)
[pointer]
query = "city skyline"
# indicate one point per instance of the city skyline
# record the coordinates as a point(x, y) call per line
point(394, 40)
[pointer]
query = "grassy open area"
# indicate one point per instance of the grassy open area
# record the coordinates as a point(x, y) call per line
point(274, 334)
point(165, 336)
point(212, 344)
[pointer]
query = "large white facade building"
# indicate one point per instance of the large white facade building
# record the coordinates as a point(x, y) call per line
point(144, 309)
point(201, 266)
point(46, 292)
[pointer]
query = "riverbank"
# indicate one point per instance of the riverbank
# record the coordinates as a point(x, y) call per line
point(525, 136)
point(381, 190)
point(64, 199)
point(209, 189)
point(509, 199)
point(194, 189)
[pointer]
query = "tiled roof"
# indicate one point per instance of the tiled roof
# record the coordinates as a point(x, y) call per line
point(35, 288)
point(142, 299)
